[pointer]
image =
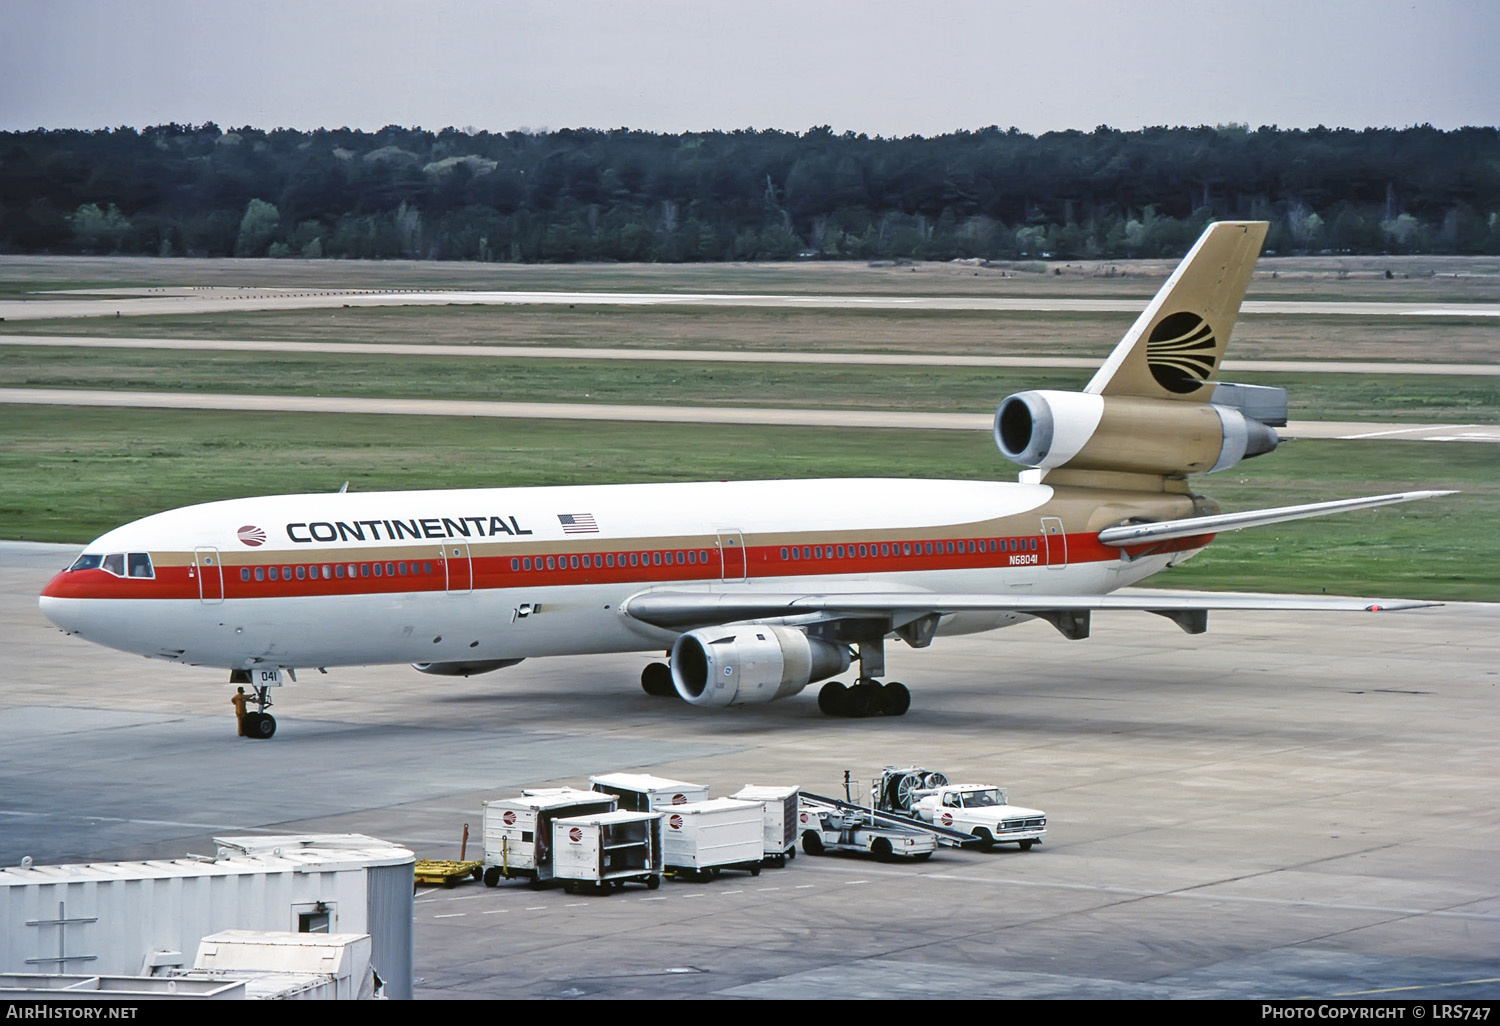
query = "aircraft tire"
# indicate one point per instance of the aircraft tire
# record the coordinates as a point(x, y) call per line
point(656, 680)
point(259, 725)
point(833, 699)
point(864, 698)
point(895, 699)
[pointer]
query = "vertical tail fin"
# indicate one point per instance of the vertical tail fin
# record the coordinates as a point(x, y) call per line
point(1174, 348)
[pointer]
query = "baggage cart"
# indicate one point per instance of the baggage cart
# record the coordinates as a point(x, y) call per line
point(604, 851)
point(518, 831)
point(780, 838)
point(641, 792)
point(701, 839)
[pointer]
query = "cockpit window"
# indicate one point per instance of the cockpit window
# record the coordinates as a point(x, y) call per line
point(87, 561)
point(121, 564)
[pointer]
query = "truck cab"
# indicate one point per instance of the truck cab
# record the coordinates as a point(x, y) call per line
point(984, 810)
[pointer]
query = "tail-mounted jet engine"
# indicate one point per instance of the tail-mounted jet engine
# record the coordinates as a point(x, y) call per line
point(1083, 431)
point(719, 666)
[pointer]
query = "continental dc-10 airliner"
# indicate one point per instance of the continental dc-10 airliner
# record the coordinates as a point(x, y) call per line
point(754, 589)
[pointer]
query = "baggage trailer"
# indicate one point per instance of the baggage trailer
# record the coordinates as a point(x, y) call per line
point(641, 792)
point(781, 807)
point(604, 851)
point(518, 831)
point(701, 839)
point(828, 824)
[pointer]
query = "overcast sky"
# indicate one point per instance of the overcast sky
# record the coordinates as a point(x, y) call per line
point(874, 66)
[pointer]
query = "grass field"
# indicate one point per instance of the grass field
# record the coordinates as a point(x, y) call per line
point(70, 474)
point(1420, 278)
point(1266, 337)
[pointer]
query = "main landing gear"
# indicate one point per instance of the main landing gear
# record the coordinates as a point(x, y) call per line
point(865, 697)
point(259, 724)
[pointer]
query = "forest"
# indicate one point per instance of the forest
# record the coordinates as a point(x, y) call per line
point(586, 195)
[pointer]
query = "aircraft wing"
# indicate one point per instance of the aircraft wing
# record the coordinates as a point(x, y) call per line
point(1165, 530)
point(687, 609)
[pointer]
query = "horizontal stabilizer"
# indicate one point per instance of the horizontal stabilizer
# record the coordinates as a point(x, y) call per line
point(1138, 534)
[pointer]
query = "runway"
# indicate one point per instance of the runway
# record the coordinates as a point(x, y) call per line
point(1288, 806)
point(167, 300)
point(723, 356)
point(229, 402)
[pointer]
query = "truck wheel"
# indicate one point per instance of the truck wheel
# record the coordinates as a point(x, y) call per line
point(922, 857)
point(812, 843)
point(755, 870)
point(492, 876)
point(1026, 845)
point(986, 839)
point(881, 849)
point(653, 882)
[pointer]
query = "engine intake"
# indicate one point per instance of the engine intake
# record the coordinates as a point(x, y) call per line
point(1084, 431)
point(719, 666)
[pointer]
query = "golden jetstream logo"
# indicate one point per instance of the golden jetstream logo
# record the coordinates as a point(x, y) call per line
point(1181, 352)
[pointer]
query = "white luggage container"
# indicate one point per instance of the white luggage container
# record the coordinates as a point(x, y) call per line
point(701, 838)
point(780, 838)
point(518, 831)
point(607, 850)
point(641, 792)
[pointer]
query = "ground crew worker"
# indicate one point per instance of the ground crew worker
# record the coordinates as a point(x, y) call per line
point(238, 700)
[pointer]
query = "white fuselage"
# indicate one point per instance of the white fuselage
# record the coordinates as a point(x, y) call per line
point(492, 574)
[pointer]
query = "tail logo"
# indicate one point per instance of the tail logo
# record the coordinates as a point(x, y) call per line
point(1181, 352)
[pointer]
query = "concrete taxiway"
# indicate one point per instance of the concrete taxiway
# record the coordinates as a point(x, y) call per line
point(151, 302)
point(1288, 806)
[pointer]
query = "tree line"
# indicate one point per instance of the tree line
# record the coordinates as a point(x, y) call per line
point(575, 195)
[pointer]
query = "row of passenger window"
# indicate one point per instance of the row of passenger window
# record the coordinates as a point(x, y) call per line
point(608, 560)
point(337, 571)
point(873, 550)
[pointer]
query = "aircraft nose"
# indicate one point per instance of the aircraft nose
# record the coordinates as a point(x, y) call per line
point(60, 602)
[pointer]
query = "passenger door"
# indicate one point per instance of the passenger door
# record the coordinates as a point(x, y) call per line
point(458, 566)
point(209, 573)
point(732, 561)
point(1056, 542)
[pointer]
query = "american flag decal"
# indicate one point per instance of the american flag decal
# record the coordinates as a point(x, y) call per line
point(578, 523)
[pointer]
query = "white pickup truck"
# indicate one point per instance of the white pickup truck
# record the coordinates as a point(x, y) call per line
point(982, 810)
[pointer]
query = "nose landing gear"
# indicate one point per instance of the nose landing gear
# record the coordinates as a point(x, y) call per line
point(259, 724)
